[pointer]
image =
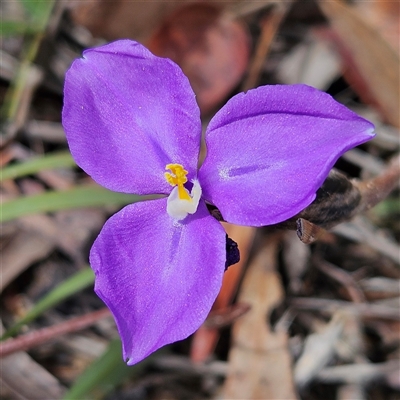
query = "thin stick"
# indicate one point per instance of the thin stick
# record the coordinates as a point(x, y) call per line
point(353, 290)
point(40, 336)
point(377, 189)
point(269, 27)
point(365, 310)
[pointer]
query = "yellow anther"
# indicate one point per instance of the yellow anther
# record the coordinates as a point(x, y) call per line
point(177, 177)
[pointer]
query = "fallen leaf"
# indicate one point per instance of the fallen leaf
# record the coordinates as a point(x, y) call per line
point(372, 66)
point(259, 359)
point(211, 49)
point(205, 339)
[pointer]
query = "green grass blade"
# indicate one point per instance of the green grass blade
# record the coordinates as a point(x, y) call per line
point(38, 13)
point(69, 287)
point(56, 160)
point(38, 10)
point(99, 373)
point(9, 28)
point(104, 374)
point(77, 197)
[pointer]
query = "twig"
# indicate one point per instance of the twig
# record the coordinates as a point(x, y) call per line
point(269, 27)
point(365, 310)
point(357, 373)
point(375, 190)
point(361, 230)
point(40, 336)
point(355, 293)
point(184, 365)
point(226, 316)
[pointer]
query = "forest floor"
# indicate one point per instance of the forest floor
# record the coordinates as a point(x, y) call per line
point(310, 319)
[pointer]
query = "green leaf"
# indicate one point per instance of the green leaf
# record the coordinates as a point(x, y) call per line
point(34, 165)
point(104, 374)
point(77, 197)
point(69, 287)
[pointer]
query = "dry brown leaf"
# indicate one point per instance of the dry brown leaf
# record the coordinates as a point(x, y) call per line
point(126, 19)
point(205, 339)
point(212, 51)
point(296, 257)
point(26, 247)
point(75, 228)
point(384, 16)
point(120, 18)
point(259, 360)
point(319, 349)
point(25, 379)
point(372, 65)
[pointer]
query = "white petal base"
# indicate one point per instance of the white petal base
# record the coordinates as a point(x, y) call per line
point(179, 208)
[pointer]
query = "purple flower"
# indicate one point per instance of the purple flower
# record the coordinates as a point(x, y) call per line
point(133, 124)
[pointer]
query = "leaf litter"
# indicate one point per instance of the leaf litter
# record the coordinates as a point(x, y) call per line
point(293, 320)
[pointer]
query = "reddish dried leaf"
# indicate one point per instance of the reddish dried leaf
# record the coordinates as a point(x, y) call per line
point(205, 339)
point(372, 66)
point(385, 17)
point(212, 51)
point(259, 360)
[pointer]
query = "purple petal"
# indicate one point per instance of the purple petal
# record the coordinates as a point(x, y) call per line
point(127, 114)
point(158, 276)
point(269, 150)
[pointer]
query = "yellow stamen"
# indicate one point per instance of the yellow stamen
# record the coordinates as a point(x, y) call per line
point(177, 177)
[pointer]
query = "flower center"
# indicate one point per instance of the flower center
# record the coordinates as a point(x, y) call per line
point(177, 177)
point(180, 202)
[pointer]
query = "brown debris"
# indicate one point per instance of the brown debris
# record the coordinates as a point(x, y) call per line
point(259, 360)
point(269, 27)
point(206, 338)
point(321, 320)
point(36, 338)
point(25, 379)
point(376, 77)
point(212, 50)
